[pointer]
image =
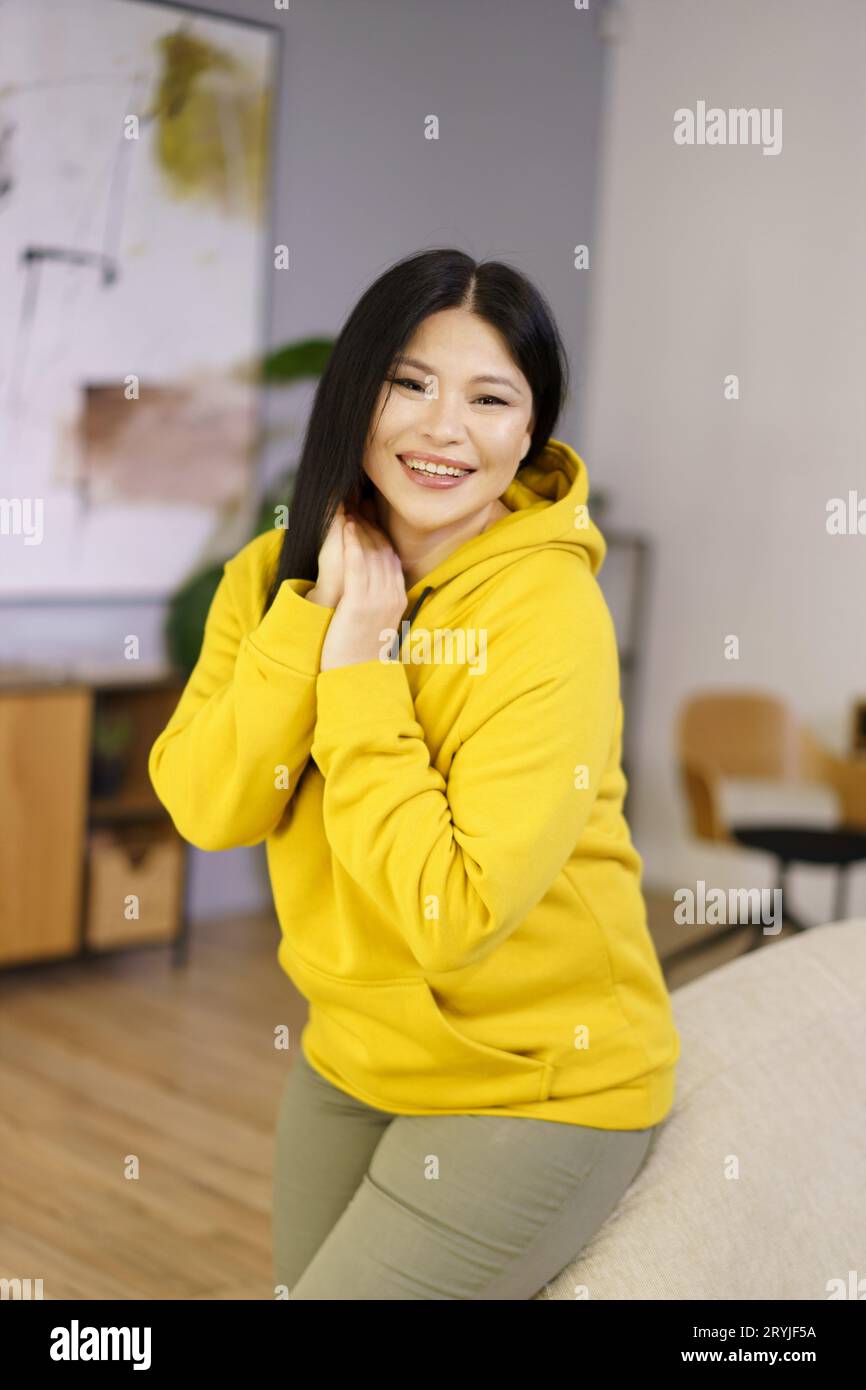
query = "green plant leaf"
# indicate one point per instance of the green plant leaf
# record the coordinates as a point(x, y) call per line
point(185, 620)
point(296, 361)
point(111, 732)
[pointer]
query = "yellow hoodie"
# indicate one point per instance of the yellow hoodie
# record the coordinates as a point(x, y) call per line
point(458, 895)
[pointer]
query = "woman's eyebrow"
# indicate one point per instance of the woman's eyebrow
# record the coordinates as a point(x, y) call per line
point(484, 376)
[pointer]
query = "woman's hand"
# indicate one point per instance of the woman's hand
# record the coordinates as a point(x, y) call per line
point(373, 599)
point(328, 588)
point(329, 581)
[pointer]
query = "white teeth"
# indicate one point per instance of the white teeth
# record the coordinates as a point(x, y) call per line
point(422, 466)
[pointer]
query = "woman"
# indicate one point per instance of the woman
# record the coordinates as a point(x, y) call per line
point(412, 695)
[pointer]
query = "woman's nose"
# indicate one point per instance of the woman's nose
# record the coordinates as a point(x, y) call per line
point(443, 417)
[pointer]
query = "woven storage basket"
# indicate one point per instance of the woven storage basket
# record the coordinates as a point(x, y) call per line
point(135, 884)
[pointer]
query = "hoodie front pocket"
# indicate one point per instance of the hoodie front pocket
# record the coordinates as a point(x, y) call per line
point(388, 1040)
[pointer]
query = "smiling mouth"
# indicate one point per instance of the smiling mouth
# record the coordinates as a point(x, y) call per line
point(426, 469)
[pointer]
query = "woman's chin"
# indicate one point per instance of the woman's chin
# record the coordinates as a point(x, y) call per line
point(430, 516)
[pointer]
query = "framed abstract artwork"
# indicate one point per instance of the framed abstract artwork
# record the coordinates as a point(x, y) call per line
point(135, 249)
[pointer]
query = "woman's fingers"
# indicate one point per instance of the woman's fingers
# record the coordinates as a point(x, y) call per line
point(369, 533)
point(353, 557)
point(362, 548)
point(376, 548)
point(364, 532)
point(371, 561)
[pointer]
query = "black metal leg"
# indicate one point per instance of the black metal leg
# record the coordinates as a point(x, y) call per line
point(841, 892)
point(788, 917)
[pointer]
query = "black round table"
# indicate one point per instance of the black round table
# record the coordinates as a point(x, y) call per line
point(841, 845)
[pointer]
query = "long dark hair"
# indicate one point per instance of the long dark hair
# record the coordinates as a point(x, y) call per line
point(378, 329)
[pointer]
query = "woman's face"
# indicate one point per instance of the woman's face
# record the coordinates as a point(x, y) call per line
point(446, 402)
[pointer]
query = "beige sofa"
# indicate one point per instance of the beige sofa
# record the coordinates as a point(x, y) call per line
point(756, 1186)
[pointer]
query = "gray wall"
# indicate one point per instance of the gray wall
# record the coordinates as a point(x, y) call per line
point(517, 89)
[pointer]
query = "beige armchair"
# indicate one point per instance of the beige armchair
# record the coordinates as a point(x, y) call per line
point(742, 734)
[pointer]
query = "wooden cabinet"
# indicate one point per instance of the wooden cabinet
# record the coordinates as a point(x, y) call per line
point(87, 862)
point(44, 770)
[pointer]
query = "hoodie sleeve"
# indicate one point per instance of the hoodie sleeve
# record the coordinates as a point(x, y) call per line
point(227, 763)
point(458, 864)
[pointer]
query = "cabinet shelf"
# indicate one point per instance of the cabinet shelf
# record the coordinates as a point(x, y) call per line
point(121, 809)
point(84, 871)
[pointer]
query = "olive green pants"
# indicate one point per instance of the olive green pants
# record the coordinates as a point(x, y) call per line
point(370, 1205)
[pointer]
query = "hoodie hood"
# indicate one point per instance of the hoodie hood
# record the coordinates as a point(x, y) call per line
point(548, 503)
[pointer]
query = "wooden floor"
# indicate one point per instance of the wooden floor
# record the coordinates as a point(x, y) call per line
point(127, 1055)
point(670, 937)
point(130, 1056)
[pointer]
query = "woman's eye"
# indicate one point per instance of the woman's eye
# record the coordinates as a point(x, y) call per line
point(419, 386)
